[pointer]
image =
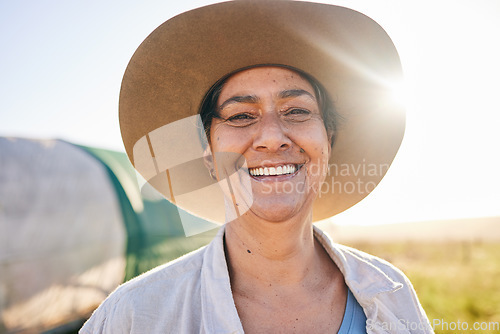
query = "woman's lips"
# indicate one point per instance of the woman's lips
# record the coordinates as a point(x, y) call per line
point(285, 169)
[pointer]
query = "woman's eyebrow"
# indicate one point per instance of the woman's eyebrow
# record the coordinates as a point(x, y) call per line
point(254, 99)
point(294, 93)
point(239, 99)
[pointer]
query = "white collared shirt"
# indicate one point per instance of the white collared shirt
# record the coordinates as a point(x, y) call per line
point(193, 295)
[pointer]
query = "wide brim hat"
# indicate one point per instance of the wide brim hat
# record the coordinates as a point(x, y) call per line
point(171, 72)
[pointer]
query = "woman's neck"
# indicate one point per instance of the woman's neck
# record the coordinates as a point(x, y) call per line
point(282, 279)
point(273, 253)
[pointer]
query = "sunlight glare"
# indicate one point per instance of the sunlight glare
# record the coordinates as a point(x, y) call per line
point(399, 94)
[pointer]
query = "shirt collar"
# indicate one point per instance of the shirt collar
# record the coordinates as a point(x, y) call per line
point(219, 314)
point(363, 278)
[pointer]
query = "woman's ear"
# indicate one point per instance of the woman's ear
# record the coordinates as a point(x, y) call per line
point(331, 140)
point(208, 160)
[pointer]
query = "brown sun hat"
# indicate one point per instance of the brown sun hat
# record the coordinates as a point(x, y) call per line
point(172, 70)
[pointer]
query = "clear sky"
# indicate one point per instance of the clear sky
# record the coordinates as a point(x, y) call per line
point(61, 65)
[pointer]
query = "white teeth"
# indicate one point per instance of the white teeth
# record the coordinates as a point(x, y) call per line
point(280, 170)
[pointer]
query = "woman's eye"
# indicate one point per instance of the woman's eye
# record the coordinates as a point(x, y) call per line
point(299, 111)
point(240, 116)
point(241, 119)
point(297, 115)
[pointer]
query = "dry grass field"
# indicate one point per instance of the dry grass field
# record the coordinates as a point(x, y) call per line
point(455, 281)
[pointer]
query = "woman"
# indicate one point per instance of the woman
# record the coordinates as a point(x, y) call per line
point(275, 265)
point(259, 78)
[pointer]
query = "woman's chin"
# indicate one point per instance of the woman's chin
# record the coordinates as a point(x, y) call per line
point(275, 210)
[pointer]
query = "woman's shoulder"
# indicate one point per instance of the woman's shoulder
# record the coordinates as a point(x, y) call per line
point(381, 264)
point(158, 291)
point(354, 260)
point(173, 272)
point(378, 285)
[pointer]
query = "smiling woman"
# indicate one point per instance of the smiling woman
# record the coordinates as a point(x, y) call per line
point(271, 141)
point(271, 117)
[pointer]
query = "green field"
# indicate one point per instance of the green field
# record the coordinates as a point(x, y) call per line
point(455, 281)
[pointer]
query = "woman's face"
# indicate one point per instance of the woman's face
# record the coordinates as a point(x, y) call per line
point(270, 116)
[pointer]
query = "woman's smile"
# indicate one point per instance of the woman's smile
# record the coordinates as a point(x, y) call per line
point(285, 169)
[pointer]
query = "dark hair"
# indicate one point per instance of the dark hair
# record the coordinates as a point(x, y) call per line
point(329, 113)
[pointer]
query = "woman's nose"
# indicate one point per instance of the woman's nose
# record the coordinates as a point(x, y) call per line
point(271, 134)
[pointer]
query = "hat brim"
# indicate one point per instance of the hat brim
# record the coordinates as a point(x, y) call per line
point(346, 51)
